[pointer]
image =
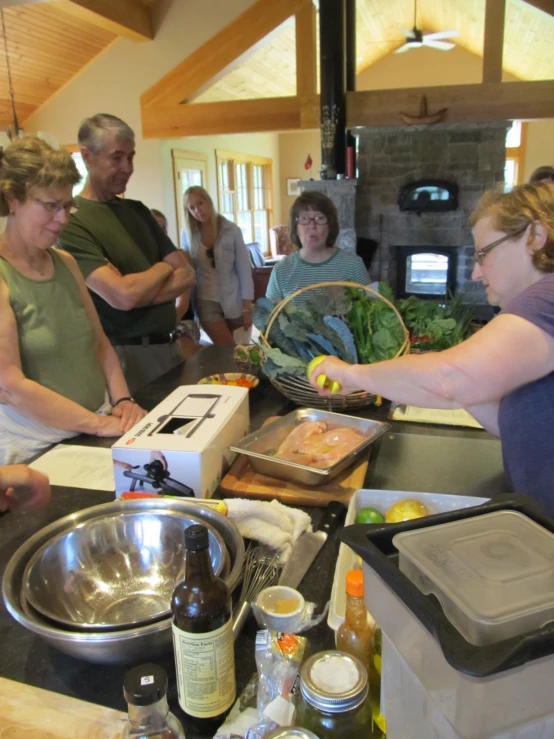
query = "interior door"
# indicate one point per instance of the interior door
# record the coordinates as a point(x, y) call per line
point(189, 168)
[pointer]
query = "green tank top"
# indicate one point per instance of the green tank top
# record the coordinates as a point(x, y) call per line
point(56, 338)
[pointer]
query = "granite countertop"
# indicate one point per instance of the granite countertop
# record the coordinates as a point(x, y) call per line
point(410, 457)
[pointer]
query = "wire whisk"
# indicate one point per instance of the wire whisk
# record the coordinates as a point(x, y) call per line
point(262, 568)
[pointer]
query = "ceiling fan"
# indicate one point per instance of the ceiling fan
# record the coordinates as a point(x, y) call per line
point(415, 38)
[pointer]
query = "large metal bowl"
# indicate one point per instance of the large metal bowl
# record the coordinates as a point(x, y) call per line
point(114, 571)
point(128, 646)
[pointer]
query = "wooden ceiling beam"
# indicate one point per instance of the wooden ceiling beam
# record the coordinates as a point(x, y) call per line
point(208, 119)
point(129, 18)
point(306, 50)
point(221, 52)
point(547, 6)
point(464, 103)
point(493, 45)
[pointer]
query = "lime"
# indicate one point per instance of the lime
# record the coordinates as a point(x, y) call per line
point(369, 515)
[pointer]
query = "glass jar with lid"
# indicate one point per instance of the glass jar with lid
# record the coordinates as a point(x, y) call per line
point(334, 697)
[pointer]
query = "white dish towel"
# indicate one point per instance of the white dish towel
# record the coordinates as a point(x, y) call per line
point(276, 525)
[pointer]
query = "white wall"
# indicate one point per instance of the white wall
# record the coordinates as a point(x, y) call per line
point(114, 81)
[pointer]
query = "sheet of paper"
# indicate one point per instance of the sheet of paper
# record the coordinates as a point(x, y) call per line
point(456, 417)
point(77, 467)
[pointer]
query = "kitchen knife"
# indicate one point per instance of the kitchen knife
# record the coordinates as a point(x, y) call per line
point(308, 545)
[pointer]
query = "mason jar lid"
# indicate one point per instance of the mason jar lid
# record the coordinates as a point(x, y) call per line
point(333, 682)
point(288, 732)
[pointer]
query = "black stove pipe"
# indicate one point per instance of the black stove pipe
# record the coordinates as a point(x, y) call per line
point(332, 47)
point(350, 80)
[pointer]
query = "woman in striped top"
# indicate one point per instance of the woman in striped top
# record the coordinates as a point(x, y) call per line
point(314, 228)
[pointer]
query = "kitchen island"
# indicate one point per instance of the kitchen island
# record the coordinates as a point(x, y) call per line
point(409, 456)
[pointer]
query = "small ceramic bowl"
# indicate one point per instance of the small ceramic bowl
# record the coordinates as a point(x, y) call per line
point(281, 607)
point(240, 379)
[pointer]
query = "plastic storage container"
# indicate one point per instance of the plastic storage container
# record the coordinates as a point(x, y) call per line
point(492, 574)
point(436, 684)
point(382, 500)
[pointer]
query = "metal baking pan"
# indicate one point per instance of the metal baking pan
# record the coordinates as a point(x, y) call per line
point(261, 445)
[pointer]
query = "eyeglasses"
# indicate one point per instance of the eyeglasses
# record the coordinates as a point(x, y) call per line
point(319, 220)
point(53, 207)
point(211, 256)
point(482, 253)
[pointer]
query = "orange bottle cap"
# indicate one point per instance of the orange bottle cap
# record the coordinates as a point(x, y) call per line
point(355, 583)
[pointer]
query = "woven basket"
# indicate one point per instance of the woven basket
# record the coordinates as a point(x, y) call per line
point(298, 389)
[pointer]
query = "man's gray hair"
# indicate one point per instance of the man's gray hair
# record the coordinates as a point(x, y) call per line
point(92, 130)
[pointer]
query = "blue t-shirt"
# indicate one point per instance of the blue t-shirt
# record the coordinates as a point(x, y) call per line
point(526, 415)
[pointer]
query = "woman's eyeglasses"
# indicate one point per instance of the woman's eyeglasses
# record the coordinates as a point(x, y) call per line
point(54, 206)
point(319, 220)
point(482, 253)
point(211, 256)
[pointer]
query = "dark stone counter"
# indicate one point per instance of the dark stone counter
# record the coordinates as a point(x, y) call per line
point(410, 457)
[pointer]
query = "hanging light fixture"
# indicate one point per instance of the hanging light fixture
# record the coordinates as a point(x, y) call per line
point(16, 130)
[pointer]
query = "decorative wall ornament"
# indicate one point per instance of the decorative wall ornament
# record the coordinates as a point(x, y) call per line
point(293, 188)
point(424, 115)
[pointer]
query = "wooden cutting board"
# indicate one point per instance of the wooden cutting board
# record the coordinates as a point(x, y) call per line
point(242, 481)
point(33, 713)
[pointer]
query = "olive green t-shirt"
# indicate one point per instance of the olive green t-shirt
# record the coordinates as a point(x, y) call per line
point(56, 338)
point(125, 233)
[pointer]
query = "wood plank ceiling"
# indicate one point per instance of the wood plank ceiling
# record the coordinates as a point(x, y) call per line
point(270, 69)
point(46, 48)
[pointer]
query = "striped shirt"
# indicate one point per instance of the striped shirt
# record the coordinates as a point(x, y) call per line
point(293, 272)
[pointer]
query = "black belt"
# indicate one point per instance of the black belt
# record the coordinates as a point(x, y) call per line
point(146, 340)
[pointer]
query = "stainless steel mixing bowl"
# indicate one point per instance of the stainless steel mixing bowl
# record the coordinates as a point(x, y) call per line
point(127, 646)
point(114, 571)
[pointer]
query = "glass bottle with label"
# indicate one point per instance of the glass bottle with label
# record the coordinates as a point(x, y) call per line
point(202, 633)
point(145, 690)
point(355, 634)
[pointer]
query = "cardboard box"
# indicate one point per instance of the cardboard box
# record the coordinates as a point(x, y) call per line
point(182, 446)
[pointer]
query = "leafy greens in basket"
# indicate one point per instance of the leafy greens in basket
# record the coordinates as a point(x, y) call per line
point(432, 326)
point(344, 323)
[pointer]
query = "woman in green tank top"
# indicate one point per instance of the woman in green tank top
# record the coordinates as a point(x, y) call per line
point(59, 375)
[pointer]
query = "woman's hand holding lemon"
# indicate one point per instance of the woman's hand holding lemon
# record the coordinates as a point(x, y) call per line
point(328, 375)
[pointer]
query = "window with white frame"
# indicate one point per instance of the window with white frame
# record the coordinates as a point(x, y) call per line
point(244, 188)
point(515, 154)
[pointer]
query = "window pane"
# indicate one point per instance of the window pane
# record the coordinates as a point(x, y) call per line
point(259, 191)
point(223, 176)
point(260, 228)
point(244, 222)
point(78, 159)
point(510, 174)
point(513, 136)
point(241, 186)
point(426, 273)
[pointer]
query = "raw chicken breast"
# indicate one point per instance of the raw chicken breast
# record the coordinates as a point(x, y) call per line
point(313, 444)
point(300, 436)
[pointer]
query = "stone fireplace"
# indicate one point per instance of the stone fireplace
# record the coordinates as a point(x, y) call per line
point(471, 155)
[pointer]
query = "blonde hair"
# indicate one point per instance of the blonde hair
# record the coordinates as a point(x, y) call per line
point(29, 164)
point(191, 224)
point(512, 212)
